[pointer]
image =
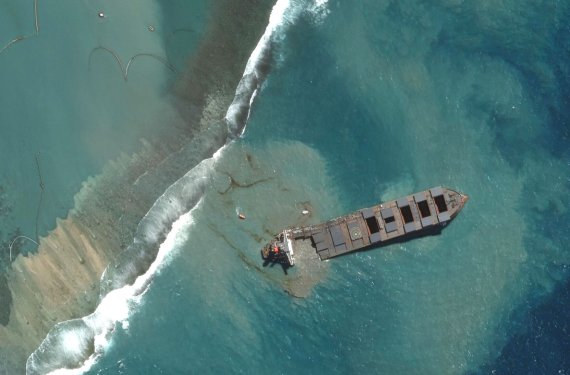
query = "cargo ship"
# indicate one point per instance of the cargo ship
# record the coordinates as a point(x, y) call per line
point(419, 214)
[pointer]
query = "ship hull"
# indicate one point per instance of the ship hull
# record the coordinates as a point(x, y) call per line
point(417, 215)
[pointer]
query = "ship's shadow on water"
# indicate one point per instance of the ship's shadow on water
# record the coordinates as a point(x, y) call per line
point(434, 232)
point(272, 260)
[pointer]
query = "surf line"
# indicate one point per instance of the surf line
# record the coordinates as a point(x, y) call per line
point(257, 68)
point(95, 330)
point(283, 14)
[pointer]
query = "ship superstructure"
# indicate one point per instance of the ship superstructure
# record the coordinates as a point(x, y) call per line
point(423, 213)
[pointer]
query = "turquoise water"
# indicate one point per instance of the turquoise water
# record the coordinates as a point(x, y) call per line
point(371, 100)
point(390, 98)
point(65, 101)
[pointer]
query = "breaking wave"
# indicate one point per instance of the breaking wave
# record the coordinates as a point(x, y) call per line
point(283, 15)
point(77, 343)
point(74, 346)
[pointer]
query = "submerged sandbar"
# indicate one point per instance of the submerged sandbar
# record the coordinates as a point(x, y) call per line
point(62, 280)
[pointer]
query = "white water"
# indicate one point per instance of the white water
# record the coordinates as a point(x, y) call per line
point(283, 15)
point(117, 306)
point(86, 339)
point(73, 339)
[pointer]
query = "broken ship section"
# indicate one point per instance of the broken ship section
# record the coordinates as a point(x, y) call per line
point(423, 213)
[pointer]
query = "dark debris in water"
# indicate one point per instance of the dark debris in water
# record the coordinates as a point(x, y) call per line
point(234, 184)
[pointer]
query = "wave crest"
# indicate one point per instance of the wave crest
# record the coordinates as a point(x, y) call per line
point(77, 344)
point(283, 15)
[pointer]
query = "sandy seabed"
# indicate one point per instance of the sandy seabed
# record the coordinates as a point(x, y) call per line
point(61, 281)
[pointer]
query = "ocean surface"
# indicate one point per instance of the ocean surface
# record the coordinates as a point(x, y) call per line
point(352, 102)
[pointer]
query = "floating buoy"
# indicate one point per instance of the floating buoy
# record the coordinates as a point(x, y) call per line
point(241, 216)
point(151, 28)
point(305, 212)
point(101, 14)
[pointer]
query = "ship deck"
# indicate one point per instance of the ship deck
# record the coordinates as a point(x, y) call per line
point(392, 221)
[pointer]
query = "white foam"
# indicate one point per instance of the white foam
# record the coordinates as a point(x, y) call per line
point(74, 343)
point(69, 342)
point(218, 154)
point(117, 306)
point(276, 20)
point(320, 10)
point(283, 14)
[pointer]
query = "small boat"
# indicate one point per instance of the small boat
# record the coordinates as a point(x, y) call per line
point(416, 215)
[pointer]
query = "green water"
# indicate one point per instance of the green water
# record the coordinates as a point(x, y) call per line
point(367, 100)
point(70, 104)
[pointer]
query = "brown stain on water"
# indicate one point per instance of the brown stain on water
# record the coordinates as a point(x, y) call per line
point(61, 280)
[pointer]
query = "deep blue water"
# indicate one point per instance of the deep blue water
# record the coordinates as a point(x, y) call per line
point(543, 344)
point(393, 97)
point(371, 100)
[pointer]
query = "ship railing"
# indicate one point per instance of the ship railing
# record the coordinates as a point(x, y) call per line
point(288, 248)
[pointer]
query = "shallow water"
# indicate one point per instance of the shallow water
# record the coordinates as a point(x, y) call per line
point(394, 98)
point(368, 101)
point(67, 104)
